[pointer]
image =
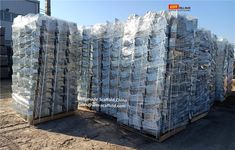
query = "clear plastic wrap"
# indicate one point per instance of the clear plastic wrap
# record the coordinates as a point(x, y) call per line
point(203, 97)
point(84, 58)
point(224, 69)
point(153, 72)
point(44, 70)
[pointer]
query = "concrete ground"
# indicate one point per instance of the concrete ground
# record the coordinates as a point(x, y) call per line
point(87, 130)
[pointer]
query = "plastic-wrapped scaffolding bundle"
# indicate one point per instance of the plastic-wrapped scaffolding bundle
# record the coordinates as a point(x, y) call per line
point(213, 68)
point(60, 67)
point(224, 69)
point(178, 71)
point(106, 54)
point(105, 60)
point(154, 97)
point(96, 49)
point(115, 58)
point(105, 49)
point(138, 73)
point(97, 38)
point(115, 67)
point(84, 74)
point(130, 30)
point(106, 102)
point(156, 66)
point(72, 64)
point(102, 41)
point(230, 68)
point(26, 48)
point(46, 69)
point(41, 63)
point(205, 77)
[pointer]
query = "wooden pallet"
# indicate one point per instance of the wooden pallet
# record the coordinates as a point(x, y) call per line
point(160, 139)
point(50, 118)
point(198, 117)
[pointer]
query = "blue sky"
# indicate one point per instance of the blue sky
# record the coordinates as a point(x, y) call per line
point(216, 15)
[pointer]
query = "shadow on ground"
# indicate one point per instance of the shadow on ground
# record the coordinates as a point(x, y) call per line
point(5, 88)
point(92, 126)
point(214, 132)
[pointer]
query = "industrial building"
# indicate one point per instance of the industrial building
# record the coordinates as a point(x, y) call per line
point(11, 9)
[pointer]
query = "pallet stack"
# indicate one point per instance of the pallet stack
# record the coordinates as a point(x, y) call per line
point(179, 71)
point(84, 59)
point(205, 80)
point(107, 40)
point(156, 67)
point(115, 67)
point(105, 66)
point(126, 60)
point(97, 34)
point(165, 72)
point(5, 62)
point(138, 74)
point(224, 69)
point(154, 75)
point(115, 58)
point(44, 70)
point(96, 72)
point(214, 49)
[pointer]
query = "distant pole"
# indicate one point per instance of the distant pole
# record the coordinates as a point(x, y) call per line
point(48, 7)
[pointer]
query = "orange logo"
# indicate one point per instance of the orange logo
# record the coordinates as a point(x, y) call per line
point(173, 6)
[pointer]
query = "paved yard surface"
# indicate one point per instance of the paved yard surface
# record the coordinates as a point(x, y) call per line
point(87, 130)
